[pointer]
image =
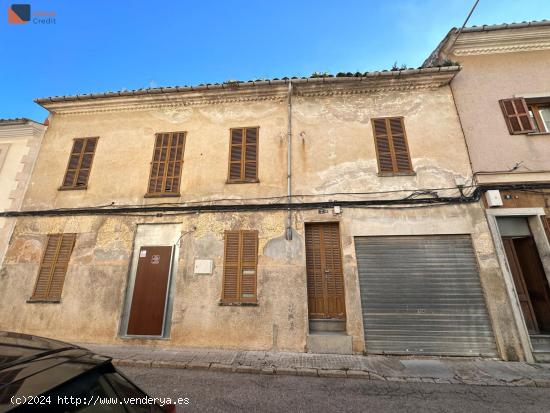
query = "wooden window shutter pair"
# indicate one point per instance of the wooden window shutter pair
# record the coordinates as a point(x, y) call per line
point(167, 163)
point(516, 114)
point(240, 266)
point(243, 155)
point(53, 267)
point(80, 163)
point(392, 150)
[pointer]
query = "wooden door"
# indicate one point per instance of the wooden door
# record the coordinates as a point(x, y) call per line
point(521, 287)
point(535, 280)
point(150, 288)
point(325, 282)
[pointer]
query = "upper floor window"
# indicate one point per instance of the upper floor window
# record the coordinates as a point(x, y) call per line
point(167, 163)
point(540, 116)
point(392, 150)
point(243, 155)
point(80, 163)
point(532, 116)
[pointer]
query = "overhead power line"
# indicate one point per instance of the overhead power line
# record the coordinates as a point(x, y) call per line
point(464, 24)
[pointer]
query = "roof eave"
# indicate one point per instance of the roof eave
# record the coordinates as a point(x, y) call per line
point(268, 87)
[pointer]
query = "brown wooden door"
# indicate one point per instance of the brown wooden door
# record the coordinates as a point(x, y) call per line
point(521, 287)
point(150, 288)
point(535, 280)
point(325, 282)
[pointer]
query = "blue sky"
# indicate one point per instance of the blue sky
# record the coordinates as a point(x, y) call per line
point(98, 46)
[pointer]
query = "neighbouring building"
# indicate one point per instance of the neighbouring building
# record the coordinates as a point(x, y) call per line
point(503, 98)
point(19, 144)
point(183, 217)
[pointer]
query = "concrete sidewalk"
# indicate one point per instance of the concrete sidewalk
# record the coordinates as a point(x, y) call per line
point(432, 370)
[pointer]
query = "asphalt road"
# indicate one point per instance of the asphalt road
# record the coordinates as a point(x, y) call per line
point(232, 392)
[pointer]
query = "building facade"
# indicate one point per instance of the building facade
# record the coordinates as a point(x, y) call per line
point(316, 214)
point(502, 95)
point(19, 144)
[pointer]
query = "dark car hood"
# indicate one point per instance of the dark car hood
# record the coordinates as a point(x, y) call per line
point(16, 348)
point(31, 365)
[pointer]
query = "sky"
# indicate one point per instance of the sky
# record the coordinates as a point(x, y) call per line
point(98, 46)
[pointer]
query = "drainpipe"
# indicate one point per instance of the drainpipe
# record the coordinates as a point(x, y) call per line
point(288, 232)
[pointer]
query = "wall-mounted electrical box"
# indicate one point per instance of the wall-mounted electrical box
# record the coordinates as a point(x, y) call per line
point(204, 267)
point(493, 198)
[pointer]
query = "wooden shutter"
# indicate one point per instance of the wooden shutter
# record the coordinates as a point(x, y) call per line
point(392, 150)
point(53, 267)
point(231, 266)
point(240, 266)
point(517, 116)
point(243, 156)
point(167, 163)
point(249, 258)
point(546, 224)
point(80, 163)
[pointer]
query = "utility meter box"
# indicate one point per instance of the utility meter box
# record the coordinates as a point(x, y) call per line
point(204, 267)
point(493, 198)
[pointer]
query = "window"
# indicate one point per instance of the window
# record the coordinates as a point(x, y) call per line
point(243, 155)
point(53, 267)
point(540, 116)
point(392, 150)
point(167, 163)
point(239, 267)
point(522, 117)
point(80, 163)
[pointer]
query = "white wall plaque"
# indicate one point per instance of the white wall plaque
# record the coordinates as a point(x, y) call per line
point(203, 266)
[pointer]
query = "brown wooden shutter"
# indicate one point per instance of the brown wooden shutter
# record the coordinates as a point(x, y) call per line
point(382, 141)
point(249, 262)
point(80, 163)
point(231, 263)
point(392, 150)
point(240, 266)
point(55, 260)
point(517, 116)
point(167, 164)
point(243, 156)
point(546, 223)
point(251, 155)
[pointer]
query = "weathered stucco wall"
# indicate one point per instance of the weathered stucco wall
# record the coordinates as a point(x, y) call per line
point(455, 219)
point(121, 164)
point(95, 288)
point(333, 151)
point(333, 148)
point(478, 87)
point(96, 281)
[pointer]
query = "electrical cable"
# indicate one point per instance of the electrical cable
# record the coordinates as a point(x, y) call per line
point(417, 197)
point(464, 24)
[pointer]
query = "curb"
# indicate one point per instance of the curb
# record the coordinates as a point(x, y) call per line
point(326, 373)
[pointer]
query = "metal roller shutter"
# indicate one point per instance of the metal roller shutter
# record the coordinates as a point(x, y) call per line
point(422, 295)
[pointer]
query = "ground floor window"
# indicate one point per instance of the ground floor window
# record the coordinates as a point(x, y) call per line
point(53, 267)
point(240, 267)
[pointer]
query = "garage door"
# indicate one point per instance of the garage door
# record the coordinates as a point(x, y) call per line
point(422, 295)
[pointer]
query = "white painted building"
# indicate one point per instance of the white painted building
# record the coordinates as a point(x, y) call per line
point(19, 144)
